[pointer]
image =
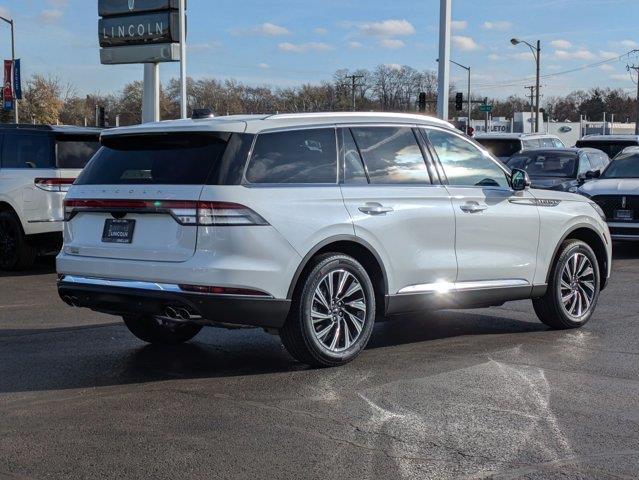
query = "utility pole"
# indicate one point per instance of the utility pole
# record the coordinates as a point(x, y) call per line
point(354, 85)
point(532, 99)
point(538, 106)
point(636, 69)
point(13, 60)
point(183, 79)
point(443, 82)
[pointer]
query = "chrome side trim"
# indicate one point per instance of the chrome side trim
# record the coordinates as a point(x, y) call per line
point(539, 202)
point(47, 221)
point(151, 286)
point(450, 287)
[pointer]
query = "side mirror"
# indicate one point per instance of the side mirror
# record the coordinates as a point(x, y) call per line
point(519, 180)
point(593, 174)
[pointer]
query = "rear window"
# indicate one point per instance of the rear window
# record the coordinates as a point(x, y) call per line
point(175, 159)
point(75, 152)
point(294, 157)
point(546, 164)
point(501, 148)
point(610, 148)
point(26, 150)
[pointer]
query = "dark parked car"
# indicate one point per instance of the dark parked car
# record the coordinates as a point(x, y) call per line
point(611, 145)
point(563, 169)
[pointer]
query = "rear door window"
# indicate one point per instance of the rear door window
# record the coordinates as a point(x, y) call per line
point(75, 152)
point(175, 159)
point(547, 143)
point(294, 157)
point(354, 172)
point(391, 154)
point(528, 144)
point(27, 150)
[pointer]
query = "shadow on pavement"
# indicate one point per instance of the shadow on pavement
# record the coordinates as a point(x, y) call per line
point(43, 266)
point(108, 355)
point(625, 250)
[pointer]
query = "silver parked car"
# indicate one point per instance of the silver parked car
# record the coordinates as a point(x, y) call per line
point(314, 226)
point(616, 191)
point(505, 145)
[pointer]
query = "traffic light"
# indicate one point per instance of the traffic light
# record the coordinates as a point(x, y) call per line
point(459, 102)
point(422, 102)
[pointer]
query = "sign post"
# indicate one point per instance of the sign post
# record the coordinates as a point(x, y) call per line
point(148, 32)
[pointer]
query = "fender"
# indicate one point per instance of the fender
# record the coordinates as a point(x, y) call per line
point(571, 230)
point(328, 241)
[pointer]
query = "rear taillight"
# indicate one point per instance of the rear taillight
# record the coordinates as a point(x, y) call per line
point(223, 291)
point(206, 214)
point(54, 184)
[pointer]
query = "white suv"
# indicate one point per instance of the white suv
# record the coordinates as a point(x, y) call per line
point(38, 163)
point(314, 226)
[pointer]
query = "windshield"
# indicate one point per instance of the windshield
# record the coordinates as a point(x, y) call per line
point(546, 164)
point(626, 166)
point(611, 148)
point(500, 147)
point(179, 159)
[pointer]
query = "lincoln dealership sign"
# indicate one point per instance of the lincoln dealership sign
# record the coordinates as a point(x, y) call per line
point(138, 31)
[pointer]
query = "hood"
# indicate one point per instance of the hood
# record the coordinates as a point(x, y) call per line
point(552, 183)
point(611, 186)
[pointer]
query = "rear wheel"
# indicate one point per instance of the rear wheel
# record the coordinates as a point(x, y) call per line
point(333, 312)
point(573, 290)
point(161, 332)
point(15, 252)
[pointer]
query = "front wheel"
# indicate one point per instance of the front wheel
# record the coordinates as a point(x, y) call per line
point(333, 312)
point(160, 332)
point(573, 290)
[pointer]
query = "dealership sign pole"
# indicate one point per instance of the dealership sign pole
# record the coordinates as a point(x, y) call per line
point(143, 31)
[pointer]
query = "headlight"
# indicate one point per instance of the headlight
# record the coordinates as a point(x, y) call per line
point(598, 209)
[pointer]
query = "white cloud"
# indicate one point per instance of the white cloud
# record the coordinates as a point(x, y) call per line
point(58, 3)
point(388, 28)
point(574, 55)
point(392, 43)
point(50, 16)
point(320, 31)
point(4, 11)
point(629, 44)
point(459, 25)
point(466, 44)
point(620, 77)
point(394, 66)
point(527, 55)
point(304, 47)
point(607, 68)
point(494, 57)
point(203, 47)
point(561, 44)
point(354, 45)
point(263, 66)
point(272, 30)
point(498, 25)
point(608, 55)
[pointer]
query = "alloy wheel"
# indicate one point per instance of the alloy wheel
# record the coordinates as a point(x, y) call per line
point(338, 310)
point(578, 285)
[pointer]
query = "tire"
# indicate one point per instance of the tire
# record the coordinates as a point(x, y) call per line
point(581, 291)
point(15, 252)
point(159, 332)
point(329, 338)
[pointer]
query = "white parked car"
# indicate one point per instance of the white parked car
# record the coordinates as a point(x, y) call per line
point(38, 163)
point(315, 225)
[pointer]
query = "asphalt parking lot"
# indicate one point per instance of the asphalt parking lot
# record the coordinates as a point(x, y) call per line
point(486, 393)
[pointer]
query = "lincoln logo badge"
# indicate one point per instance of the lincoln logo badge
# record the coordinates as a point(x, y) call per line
point(131, 5)
point(624, 202)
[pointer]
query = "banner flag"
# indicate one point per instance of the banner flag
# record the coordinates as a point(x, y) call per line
point(17, 79)
point(7, 93)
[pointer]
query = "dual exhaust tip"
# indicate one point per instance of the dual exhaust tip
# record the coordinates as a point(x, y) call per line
point(179, 313)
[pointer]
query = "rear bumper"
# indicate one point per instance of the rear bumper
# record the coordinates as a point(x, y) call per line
point(153, 299)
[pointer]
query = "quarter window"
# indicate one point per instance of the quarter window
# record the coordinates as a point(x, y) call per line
point(392, 155)
point(464, 164)
point(22, 150)
point(298, 156)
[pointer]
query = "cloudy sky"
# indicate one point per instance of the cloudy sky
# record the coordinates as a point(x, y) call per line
point(287, 42)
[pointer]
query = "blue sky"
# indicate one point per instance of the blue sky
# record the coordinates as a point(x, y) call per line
point(284, 43)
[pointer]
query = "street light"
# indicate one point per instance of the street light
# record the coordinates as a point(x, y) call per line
point(470, 105)
point(13, 59)
point(537, 54)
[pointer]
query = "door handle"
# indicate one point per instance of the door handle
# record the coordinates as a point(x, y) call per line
point(474, 207)
point(374, 208)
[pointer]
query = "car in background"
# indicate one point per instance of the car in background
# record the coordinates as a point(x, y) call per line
point(314, 226)
point(611, 145)
point(564, 169)
point(505, 145)
point(38, 164)
point(616, 191)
